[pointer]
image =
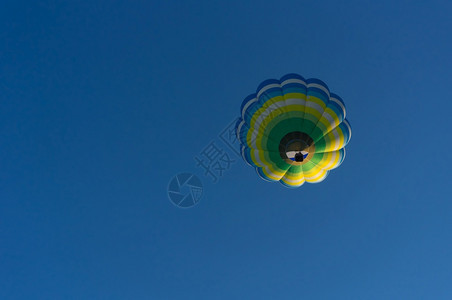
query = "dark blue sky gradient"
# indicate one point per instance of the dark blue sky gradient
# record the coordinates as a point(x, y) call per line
point(102, 102)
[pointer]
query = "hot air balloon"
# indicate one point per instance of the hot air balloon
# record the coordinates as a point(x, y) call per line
point(293, 130)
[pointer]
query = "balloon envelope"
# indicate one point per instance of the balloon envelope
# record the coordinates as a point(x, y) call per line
point(293, 130)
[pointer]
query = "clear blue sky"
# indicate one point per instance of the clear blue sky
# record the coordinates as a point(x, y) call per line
point(102, 102)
